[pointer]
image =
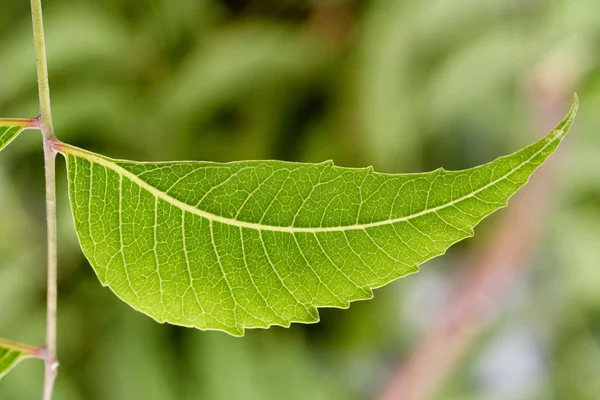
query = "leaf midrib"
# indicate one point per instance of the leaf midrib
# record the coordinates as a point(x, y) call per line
point(75, 151)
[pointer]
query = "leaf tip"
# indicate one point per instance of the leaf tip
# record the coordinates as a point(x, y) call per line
point(562, 129)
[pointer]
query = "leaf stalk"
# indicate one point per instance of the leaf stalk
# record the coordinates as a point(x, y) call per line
point(29, 351)
point(28, 123)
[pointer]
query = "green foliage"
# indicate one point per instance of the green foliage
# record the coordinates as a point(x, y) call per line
point(8, 359)
point(10, 355)
point(8, 132)
point(460, 101)
point(259, 243)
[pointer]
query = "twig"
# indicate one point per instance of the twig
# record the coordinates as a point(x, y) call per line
point(45, 124)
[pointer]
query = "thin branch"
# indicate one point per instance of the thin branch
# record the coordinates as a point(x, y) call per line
point(51, 360)
point(45, 124)
point(42, 69)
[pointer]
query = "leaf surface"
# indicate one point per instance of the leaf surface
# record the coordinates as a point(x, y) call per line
point(11, 354)
point(9, 130)
point(229, 246)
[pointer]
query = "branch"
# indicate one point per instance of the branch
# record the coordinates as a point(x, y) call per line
point(45, 124)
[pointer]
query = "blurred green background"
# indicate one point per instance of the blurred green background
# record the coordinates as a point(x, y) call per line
point(404, 85)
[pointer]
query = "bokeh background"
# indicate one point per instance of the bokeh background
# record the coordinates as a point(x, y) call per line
point(404, 85)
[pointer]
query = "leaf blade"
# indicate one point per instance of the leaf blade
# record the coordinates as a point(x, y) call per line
point(260, 243)
point(10, 129)
point(11, 354)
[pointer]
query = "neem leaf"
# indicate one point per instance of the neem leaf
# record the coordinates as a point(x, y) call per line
point(9, 129)
point(259, 243)
point(11, 354)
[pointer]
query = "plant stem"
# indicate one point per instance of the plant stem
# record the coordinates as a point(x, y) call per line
point(42, 70)
point(45, 124)
point(51, 357)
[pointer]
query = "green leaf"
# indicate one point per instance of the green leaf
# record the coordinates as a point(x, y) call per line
point(11, 354)
point(9, 129)
point(259, 243)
